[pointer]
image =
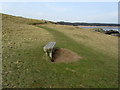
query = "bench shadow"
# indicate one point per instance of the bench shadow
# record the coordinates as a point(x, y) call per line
point(54, 53)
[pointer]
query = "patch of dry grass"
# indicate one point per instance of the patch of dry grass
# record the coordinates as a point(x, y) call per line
point(19, 20)
point(21, 35)
point(20, 44)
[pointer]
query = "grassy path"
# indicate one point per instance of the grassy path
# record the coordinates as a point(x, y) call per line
point(64, 41)
point(99, 69)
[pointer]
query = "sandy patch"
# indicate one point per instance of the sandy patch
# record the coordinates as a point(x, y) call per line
point(64, 55)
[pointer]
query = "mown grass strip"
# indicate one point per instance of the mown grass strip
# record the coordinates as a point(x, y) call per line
point(100, 65)
point(64, 41)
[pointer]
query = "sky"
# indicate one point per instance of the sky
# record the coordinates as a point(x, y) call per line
point(91, 12)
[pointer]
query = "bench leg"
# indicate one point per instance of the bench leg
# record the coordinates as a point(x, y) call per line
point(44, 50)
point(50, 54)
point(46, 53)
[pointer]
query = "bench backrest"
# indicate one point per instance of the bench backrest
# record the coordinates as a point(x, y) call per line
point(50, 45)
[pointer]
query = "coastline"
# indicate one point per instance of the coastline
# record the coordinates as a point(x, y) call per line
point(99, 26)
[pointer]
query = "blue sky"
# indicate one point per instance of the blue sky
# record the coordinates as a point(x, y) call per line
point(94, 12)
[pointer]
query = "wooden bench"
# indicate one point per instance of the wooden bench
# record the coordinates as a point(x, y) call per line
point(48, 48)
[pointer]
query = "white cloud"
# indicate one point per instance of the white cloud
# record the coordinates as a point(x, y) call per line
point(55, 8)
point(0, 7)
point(109, 17)
point(5, 7)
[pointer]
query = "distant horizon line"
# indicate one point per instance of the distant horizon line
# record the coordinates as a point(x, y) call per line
point(87, 22)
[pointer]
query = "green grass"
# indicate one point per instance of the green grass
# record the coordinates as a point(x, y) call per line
point(96, 62)
point(25, 65)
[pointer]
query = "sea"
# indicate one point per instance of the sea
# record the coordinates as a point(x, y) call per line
point(106, 28)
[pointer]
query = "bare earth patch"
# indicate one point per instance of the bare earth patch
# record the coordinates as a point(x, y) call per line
point(65, 55)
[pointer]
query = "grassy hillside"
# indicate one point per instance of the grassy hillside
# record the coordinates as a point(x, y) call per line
point(26, 65)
